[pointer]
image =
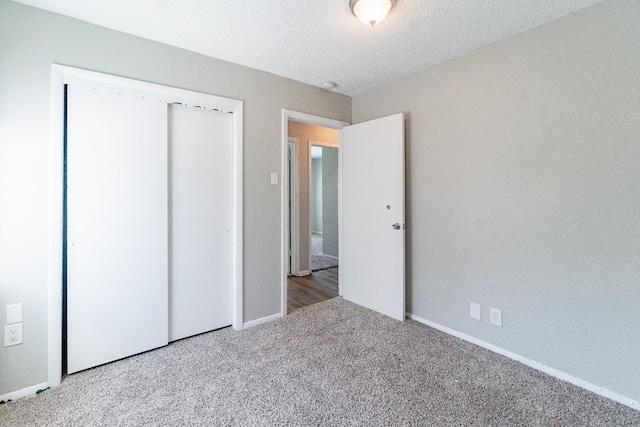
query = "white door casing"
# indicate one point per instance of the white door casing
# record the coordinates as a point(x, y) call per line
point(293, 223)
point(372, 235)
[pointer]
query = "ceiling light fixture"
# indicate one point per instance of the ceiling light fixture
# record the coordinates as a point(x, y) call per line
point(371, 12)
point(329, 85)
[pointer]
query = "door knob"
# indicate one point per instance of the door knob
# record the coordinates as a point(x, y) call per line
point(396, 226)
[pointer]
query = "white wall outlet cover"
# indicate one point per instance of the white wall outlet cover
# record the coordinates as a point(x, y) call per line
point(13, 334)
point(274, 178)
point(14, 313)
point(475, 311)
point(495, 316)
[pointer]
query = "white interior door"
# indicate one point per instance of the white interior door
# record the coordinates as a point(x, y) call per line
point(201, 206)
point(116, 227)
point(372, 263)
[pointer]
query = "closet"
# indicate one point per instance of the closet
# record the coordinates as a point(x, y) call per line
point(148, 234)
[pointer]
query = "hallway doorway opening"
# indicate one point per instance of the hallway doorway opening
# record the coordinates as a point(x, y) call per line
point(310, 209)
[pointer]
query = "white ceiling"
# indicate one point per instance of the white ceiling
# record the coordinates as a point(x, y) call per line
point(313, 41)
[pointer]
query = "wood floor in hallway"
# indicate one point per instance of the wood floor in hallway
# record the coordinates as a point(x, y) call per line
point(318, 286)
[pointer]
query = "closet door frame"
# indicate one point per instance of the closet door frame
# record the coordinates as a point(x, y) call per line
point(62, 75)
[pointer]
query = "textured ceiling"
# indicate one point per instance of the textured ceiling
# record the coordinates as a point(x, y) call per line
point(317, 40)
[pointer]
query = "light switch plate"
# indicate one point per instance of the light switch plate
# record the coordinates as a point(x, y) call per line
point(14, 313)
point(475, 310)
point(274, 178)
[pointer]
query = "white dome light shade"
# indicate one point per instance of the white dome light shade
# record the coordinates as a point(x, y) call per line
point(370, 12)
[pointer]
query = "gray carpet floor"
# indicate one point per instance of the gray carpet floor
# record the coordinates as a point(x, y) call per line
point(330, 364)
point(320, 261)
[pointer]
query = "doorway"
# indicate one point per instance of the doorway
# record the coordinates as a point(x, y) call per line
point(323, 205)
point(373, 264)
point(300, 284)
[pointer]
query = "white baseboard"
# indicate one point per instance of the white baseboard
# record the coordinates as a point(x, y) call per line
point(330, 256)
point(533, 364)
point(24, 392)
point(262, 320)
point(303, 273)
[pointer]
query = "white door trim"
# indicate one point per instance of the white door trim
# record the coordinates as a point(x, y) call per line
point(311, 207)
point(294, 220)
point(324, 144)
point(284, 210)
point(62, 75)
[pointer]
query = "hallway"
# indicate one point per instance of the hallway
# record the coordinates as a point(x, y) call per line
point(316, 287)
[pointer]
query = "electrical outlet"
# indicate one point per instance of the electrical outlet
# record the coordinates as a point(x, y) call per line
point(13, 334)
point(475, 310)
point(495, 316)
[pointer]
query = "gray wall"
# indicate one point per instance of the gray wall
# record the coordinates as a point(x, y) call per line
point(330, 201)
point(316, 195)
point(523, 192)
point(30, 40)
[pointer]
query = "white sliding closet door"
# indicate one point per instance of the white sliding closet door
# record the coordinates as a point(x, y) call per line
point(117, 227)
point(201, 215)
